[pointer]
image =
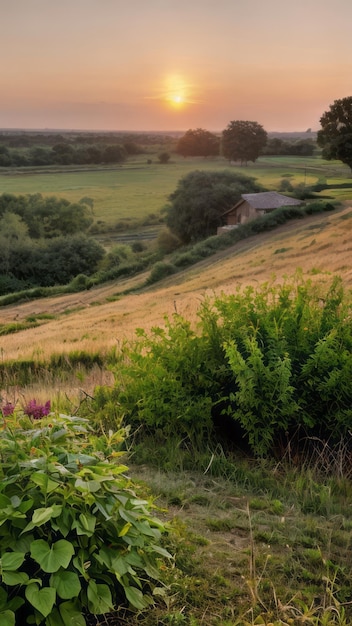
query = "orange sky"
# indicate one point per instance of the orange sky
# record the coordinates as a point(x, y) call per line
point(172, 64)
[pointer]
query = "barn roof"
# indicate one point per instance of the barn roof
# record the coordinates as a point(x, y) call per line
point(269, 200)
point(266, 200)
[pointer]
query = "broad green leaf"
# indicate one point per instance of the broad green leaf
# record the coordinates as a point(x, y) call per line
point(124, 530)
point(25, 505)
point(81, 564)
point(41, 516)
point(15, 578)
point(102, 509)
point(55, 619)
point(87, 485)
point(3, 599)
point(11, 561)
point(151, 570)
point(44, 481)
point(85, 524)
point(14, 604)
point(135, 597)
point(66, 584)
point(7, 618)
point(15, 501)
point(51, 558)
point(99, 598)
point(4, 501)
point(161, 551)
point(22, 544)
point(71, 613)
point(63, 522)
point(42, 599)
point(58, 434)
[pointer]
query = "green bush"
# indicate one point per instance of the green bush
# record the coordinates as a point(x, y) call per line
point(160, 270)
point(163, 384)
point(262, 366)
point(75, 538)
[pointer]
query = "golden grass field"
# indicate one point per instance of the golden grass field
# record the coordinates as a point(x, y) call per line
point(96, 320)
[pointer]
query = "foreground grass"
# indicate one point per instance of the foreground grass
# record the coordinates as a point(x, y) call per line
point(254, 543)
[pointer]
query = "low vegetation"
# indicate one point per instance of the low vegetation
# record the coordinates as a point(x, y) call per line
point(76, 540)
point(261, 369)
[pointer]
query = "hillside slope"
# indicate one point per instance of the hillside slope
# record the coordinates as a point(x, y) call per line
point(321, 245)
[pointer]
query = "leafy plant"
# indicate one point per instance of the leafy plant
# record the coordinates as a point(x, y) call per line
point(264, 367)
point(75, 538)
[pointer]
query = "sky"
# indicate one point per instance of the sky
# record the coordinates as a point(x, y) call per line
point(167, 65)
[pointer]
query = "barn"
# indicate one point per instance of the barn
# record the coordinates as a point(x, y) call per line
point(253, 205)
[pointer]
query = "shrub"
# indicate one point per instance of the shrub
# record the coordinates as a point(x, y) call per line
point(164, 157)
point(79, 283)
point(167, 241)
point(75, 538)
point(264, 365)
point(159, 271)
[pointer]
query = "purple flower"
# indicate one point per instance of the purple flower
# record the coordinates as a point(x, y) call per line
point(8, 409)
point(36, 411)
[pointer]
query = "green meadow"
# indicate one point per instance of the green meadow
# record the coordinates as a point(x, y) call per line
point(138, 189)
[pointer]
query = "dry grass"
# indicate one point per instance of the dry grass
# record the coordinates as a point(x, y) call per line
point(320, 245)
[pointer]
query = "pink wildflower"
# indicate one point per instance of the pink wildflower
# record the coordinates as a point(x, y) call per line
point(8, 409)
point(36, 411)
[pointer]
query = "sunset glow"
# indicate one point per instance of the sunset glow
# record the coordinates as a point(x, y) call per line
point(164, 65)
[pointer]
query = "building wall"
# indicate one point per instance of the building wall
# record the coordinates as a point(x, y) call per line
point(243, 213)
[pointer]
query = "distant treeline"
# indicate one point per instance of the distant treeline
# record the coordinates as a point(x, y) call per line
point(28, 139)
point(39, 149)
point(21, 149)
point(296, 147)
point(63, 154)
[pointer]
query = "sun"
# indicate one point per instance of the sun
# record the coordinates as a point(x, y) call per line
point(176, 91)
point(176, 100)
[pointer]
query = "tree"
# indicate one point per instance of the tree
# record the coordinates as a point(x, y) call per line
point(243, 141)
point(200, 199)
point(13, 233)
point(198, 142)
point(335, 136)
point(50, 216)
point(164, 157)
point(114, 154)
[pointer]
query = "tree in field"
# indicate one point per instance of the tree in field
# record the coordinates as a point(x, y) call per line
point(335, 136)
point(198, 142)
point(164, 157)
point(200, 199)
point(243, 141)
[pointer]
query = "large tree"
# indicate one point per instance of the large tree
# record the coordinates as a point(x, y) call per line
point(198, 142)
point(335, 136)
point(200, 199)
point(243, 141)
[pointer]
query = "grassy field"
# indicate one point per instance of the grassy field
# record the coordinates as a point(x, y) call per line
point(137, 189)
